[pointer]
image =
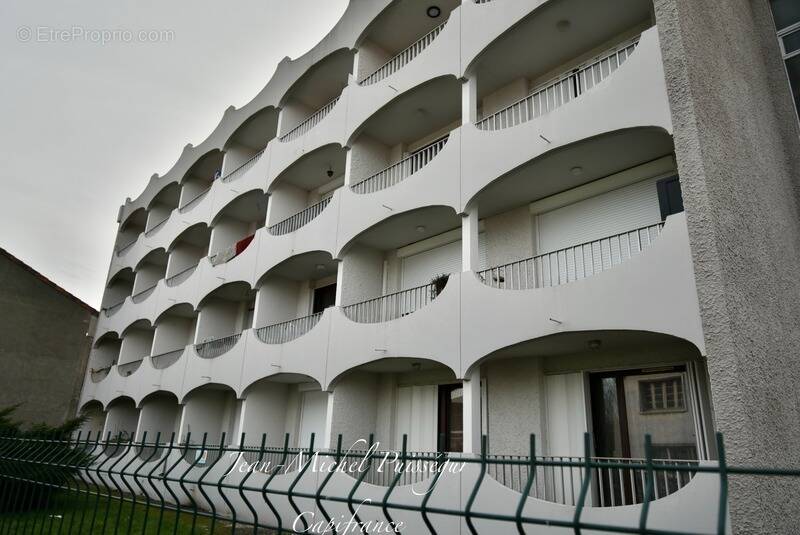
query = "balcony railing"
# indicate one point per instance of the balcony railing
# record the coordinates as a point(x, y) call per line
point(310, 122)
point(280, 333)
point(185, 207)
point(155, 227)
point(557, 480)
point(122, 250)
point(403, 58)
point(129, 367)
point(219, 346)
point(572, 263)
point(392, 306)
point(112, 309)
point(165, 360)
point(401, 170)
point(554, 94)
point(239, 171)
point(300, 219)
point(144, 294)
point(98, 374)
point(180, 276)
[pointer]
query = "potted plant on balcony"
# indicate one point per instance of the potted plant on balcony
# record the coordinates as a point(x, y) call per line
point(437, 284)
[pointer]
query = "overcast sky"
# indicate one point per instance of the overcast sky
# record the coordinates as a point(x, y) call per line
point(85, 124)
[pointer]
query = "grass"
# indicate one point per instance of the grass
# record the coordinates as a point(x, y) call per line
point(73, 513)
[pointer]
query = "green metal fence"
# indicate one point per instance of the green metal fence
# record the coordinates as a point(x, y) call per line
point(84, 485)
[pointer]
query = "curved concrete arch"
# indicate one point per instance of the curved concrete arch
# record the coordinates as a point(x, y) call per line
point(387, 365)
point(355, 130)
point(356, 16)
point(405, 217)
point(88, 404)
point(149, 256)
point(281, 377)
point(177, 306)
point(182, 234)
point(286, 263)
point(297, 164)
point(182, 399)
point(156, 393)
point(250, 119)
point(141, 323)
point(104, 337)
point(318, 64)
point(122, 398)
point(219, 212)
point(113, 278)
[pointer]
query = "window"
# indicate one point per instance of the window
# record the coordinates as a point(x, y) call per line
point(670, 200)
point(324, 297)
point(451, 421)
point(661, 395)
point(786, 14)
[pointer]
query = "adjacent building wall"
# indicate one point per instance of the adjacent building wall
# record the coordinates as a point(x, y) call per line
point(45, 338)
point(738, 153)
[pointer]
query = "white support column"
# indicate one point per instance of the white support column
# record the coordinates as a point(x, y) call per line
point(348, 166)
point(280, 123)
point(239, 427)
point(339, 283)
point(472, 411)
point(469, 101)
point(181, 422)
point(328, 433)
point(469, 240)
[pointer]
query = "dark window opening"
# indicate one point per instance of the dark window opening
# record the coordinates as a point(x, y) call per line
point(451, 418)
point(324, 297)
point(670, 199)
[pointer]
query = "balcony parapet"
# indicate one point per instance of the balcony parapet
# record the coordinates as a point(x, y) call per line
point(242, 169)
point(129, 368)
point(403, 169)
point(300, 219)
point(571, 263)
point(560, 90)
point(403, 58)
point(286, 331)
point(310, 122)
point(216, 347)
point(167, 359)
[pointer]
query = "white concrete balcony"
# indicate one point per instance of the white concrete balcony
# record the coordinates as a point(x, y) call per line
point(286, 331)
point(566, 87)
point(300, 219)
point(572, 263)
point(647, 291)
point(393, 306)
point(435, 55)
point(632, 97)
point(401, 170)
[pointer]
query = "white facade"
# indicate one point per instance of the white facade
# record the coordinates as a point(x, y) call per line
point(521, 148)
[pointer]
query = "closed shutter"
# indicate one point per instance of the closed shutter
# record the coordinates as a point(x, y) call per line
point(312, 418)
point(617, 211)
point(421, 268)
point(566, 425)
point(417, 417)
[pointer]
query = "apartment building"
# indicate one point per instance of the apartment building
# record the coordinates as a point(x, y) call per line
point(457, 218)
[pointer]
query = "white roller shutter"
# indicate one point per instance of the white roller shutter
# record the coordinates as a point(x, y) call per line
point(419, 269)
point(617, 211)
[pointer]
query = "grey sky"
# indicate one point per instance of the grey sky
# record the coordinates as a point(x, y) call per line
point(85, 124)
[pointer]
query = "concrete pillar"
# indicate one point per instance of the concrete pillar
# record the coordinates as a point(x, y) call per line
point(339, 283)
point(348, 166)
point(472, 411)
point(469, 240)
point(280, 122)
point(469, 101)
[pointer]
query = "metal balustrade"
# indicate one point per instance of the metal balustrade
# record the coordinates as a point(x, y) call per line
point(564, 88)
point(403, 58)
point(111, 309)
point(300, 219)
point(165, 360)
point(180, 276)
point(155, 227)
point(571, 263)
point(127, 246)
point(99, 374)
point(193, 201)
point(239, 171)
point(286, 331)
point(129, 367)
point(559, 479)
point(391, 306)
point(144, 294)
point(213, 348)
point(309, 122)
point(398, 172)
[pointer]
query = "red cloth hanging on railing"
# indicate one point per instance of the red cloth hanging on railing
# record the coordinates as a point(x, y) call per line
point(242, 244)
